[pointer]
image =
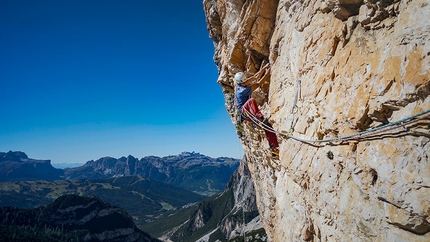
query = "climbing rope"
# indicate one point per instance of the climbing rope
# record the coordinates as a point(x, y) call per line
point(293, 112)
point(383, 128)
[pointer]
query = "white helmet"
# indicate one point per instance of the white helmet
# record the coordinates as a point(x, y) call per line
point(238, 77)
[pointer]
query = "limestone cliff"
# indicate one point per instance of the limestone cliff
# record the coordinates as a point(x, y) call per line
point(361, 64)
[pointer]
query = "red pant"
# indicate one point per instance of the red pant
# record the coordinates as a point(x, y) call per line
point(252, 107)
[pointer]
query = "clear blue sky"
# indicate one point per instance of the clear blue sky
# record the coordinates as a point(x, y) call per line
point(86, 79)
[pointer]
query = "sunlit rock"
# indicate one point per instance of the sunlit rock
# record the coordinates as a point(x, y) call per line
point(362, 64)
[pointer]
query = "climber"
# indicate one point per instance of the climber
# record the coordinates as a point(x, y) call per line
point(245, 103)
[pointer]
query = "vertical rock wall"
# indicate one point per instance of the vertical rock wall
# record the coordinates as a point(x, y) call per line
point(361, 64)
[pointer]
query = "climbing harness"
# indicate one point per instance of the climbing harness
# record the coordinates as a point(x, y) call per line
point(383, 128)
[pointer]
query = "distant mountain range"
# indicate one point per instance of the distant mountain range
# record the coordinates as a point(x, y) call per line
point(189, 170)
point(193, 171)
point(163, 210)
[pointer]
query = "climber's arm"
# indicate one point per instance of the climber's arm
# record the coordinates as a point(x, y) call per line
point(257, 76)
point(265, 77)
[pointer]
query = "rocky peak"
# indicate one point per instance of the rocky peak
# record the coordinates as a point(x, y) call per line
point(15, 156)
point(15, 166)
point(338, 67)
point(242, 185)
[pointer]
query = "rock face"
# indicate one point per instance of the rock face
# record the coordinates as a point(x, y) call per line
point(361, 64)
point(225, 217)
point(243, 190)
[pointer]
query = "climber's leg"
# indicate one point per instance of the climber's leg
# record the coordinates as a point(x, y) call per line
point(252, 107)
point(271, 137)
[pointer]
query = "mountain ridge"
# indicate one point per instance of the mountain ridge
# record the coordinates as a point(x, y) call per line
point(193, 171)
point(70, 218)
point(16, 166)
